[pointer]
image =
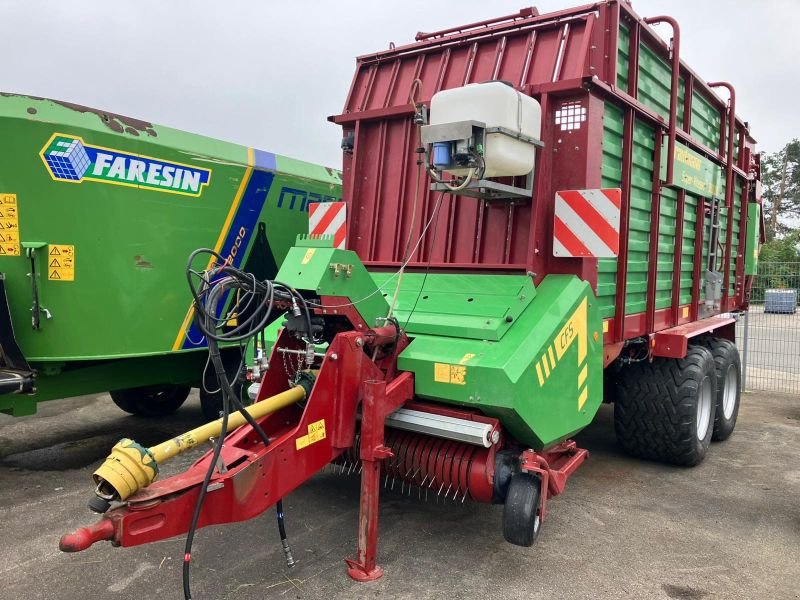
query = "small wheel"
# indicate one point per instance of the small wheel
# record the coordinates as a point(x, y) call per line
point(521, 520)
point(151, 400)
point(728, 368)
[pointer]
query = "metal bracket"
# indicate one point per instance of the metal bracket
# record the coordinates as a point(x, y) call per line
point(338, 268)
point(487, 189)
point(516, 135)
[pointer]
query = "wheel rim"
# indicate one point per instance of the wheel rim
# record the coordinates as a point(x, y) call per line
point(730, 388)
point(704, 409)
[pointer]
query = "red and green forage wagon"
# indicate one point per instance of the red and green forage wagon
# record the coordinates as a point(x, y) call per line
point(544, 212)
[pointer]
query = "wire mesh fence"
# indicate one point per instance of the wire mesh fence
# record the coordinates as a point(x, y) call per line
point(769, 334)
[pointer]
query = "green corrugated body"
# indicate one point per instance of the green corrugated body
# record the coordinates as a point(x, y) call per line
point(623, 60)
point(705, 121)
point(655, 78)
point(132, 199)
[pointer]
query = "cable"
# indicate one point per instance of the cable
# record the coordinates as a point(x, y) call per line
point(430, 259)
point(395, 274)
point(215, 283)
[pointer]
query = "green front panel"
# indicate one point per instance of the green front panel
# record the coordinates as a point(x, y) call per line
point(753, 238)
point(314, 265)
point(469, 306)
point(542, 378)
point(530, 356)
point(132, 230)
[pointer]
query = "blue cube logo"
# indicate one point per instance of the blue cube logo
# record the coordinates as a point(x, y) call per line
point(67, 158)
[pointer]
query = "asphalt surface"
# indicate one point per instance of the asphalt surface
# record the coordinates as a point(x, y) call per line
point(729, 528)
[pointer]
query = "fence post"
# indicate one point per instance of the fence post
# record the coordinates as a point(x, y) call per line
point(744, 349)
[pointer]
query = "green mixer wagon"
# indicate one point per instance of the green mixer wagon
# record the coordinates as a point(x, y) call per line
point(98, 213)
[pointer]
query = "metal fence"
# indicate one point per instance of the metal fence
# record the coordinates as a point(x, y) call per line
point(769, 334)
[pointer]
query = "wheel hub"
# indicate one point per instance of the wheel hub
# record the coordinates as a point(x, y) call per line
point(704, 401)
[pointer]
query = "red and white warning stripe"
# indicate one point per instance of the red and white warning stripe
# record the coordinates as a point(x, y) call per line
point(328, 218)
point(586, 223)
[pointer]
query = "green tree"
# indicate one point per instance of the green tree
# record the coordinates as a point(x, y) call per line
point(780, 178)
point(785, 249)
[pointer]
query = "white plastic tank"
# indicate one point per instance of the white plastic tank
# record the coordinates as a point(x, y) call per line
point(498, 105)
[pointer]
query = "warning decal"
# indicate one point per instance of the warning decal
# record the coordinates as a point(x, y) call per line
point(9, 225)
point(61, 262)
point(316, 433)
point(586, 223)
point(454, 374)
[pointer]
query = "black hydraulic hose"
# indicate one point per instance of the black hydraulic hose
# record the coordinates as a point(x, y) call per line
point(212, 291)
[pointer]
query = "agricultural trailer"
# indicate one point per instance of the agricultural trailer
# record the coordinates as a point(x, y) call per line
point(545, 212)
point(98, 213)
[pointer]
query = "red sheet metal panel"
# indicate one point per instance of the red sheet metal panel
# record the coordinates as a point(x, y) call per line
point(384, 182)
point(573, 62)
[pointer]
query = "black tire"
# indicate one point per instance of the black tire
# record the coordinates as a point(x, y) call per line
point(151, 400)
point(211, 401)
point(658, 404)
point(521, 522)
point(728, 368)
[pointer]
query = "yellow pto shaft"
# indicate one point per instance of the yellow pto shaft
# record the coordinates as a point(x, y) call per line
point(131, 467)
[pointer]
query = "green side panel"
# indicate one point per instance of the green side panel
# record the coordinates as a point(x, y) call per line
point(80, 378)
point(623, 61)
point(705, 121)
point(481, 307)
point(655, 79)
point(639, 230)
point(751, 248)
point(313, 265)
point(542, 379)
point(611, 172)
point(133, 233)
point(666, 247)
point(688, 249)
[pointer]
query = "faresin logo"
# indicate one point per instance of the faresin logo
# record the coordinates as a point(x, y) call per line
point(68, 158)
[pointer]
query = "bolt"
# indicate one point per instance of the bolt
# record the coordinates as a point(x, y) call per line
point(334, 356)
point(359, 342)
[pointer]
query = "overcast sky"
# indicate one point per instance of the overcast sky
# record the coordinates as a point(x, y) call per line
point(267, 74)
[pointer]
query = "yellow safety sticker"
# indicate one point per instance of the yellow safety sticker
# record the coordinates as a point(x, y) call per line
point(685, 312)
point(574, 330)
point(466, 358)
point(9, 225)
point(455, 374)
point(308, 256)
point(316, 433)
point(605, 326)
point(61, 262)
